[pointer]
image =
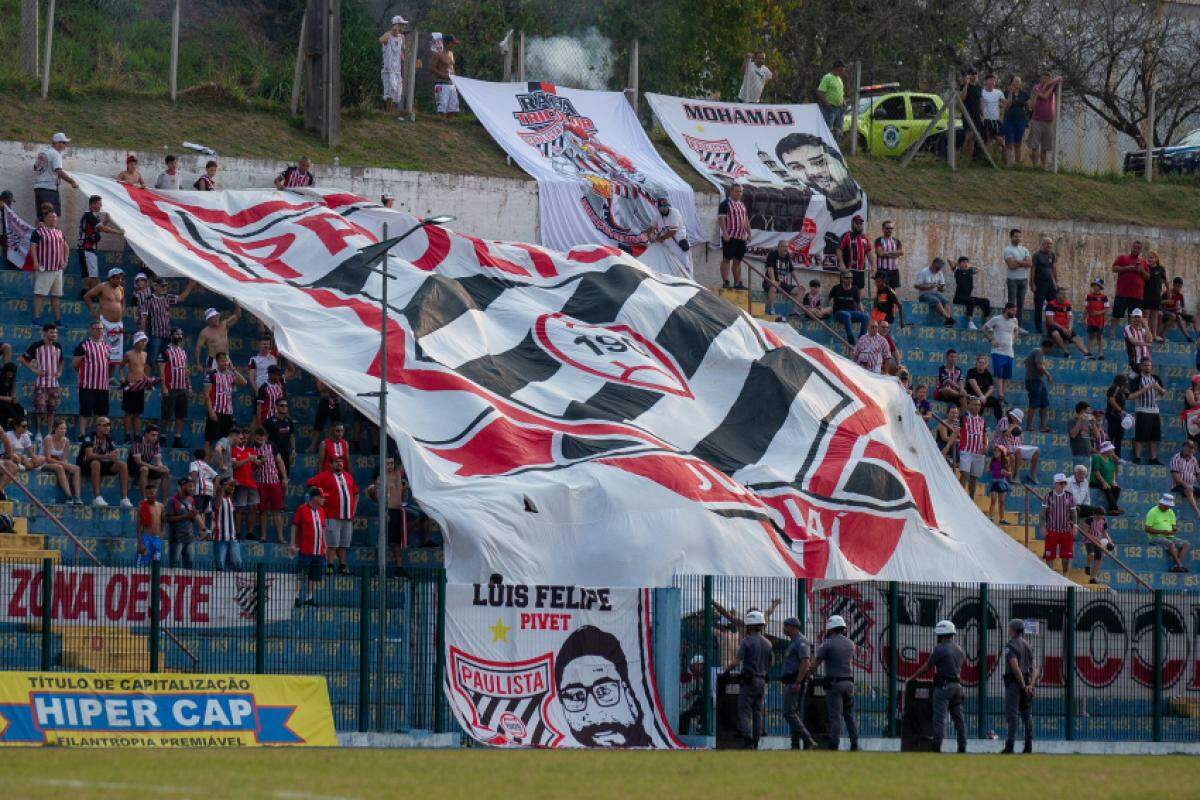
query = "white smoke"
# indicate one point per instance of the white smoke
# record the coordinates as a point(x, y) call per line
point(583, 61)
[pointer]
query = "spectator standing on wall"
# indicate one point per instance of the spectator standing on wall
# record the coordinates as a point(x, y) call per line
point(971, 94)
point(990, 100)
point(735, 231)
point(1041, 128)
point(964, 293)
point(392, 66)
point(169, 178)
point(1018, 261)
point(131, 174)
point(755, 75)
point(47, 173)
point(1132, 272)
point(1045, 279)
point(931, 284)
point(441, 64)
point(831, 95)
point(1016, 118)
point(888, 252)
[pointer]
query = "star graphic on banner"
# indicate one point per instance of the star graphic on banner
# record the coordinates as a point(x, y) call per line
point(499, 630)
point(699, 128)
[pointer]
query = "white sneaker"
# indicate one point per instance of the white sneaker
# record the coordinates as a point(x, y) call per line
point(971, 326)
point(100, 502)
point(125, 503)
point(37, 441)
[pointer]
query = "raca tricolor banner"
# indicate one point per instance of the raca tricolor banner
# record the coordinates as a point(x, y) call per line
point(796, 186)
point(553, 666)
point(577, 417)
point(598, 175)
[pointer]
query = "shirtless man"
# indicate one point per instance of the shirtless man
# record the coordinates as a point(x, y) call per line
point(214, 338)
point(111, 314)
point(131, 174)
point(441, 64)
point(135, 385)
point(149, 527)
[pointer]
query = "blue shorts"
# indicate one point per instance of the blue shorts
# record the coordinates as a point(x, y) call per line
point(1039, 396)
point(152, 545)
point(1002, 366)
point(313, 566)
point(1014, 130)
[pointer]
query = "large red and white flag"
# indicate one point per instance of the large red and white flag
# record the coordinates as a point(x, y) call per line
point(577, 417)
point(17, 233)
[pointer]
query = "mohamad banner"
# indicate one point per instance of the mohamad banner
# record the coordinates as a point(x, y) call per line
point(598, 175)
point(578, 417)
point(553, 666)
point(118, 596)
point(796, 184)
point(69, 709)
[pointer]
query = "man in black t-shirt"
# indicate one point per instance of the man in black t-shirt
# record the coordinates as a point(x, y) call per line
point(972, 99)
point(1045, 279)
point(964, 291)
point(780, 270)
point(981, 384)
point(886, 305)
point(280, 432)
point(846, 303)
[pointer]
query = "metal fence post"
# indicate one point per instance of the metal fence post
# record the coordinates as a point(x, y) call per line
point(854, 109)
point(709, 657)
point(893, 656)
point(631, 92)
point(521, 57)
point(47, 612)
point(1157, 712)
point(155, 612)
point(1150, 137)
point(260, 619)
point(174, 77)
point(1069, 667)
point(439, 655)
point(802, 604)
point(951, 134)
point(981, 656)
point(1055, 126)
point(364, 646)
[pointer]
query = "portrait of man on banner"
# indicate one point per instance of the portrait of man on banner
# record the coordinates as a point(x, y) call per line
point(591, 675)
point(821, 167)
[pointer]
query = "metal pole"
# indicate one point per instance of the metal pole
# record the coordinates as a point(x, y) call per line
point(174, 50)
point(381, 487)
point(521, 56)
point(1055, 127)
point(951, 133)
point(155, 604)
point(298, 70)
point(981, 658)
point(1069, 667)
point(439, 655)
point(854, 110)
point(631, 93)
point(260, 619)
point(47, 611)
point(1157, 711)
point(49, 47)
point(364, 648)
point(410, 89)
point(1150, 137)
point(709, 657)
point(893, 656)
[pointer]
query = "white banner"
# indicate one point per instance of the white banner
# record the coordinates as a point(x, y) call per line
point(553, 666)
point(121, 597)
point(576, 417)
point(598, 175)
point(796, 184)
point(17, 233)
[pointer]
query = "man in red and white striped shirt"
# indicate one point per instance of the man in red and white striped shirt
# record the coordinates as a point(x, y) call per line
point(296, 177)
point(1137, 339)
point(341, 494)
point(270, 474)
point(308, 539)
point(1058, 523)
point(972, 445)
point(1183, 473)
point(270, 393)
point(49, 255)
point(334, 448)
point(855, 253)
point(90, 361)
point(219, 401)
point(173, 366)
point(45, 360)
point(226, 547)
point(735, 231)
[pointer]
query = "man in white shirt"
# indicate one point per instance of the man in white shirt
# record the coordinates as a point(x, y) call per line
point(671, 234)
point(1001, 330)
point(1019, 263)
point(755, 77)
point(169, 177)
point(47, 172)
point(931, 283)
point(392, 70)
point(990, 99)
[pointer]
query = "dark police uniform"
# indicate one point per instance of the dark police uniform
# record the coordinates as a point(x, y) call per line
point(837, 654)
point(797, 652)
point(755, 655)
point(947, 660)
point(1017, 703)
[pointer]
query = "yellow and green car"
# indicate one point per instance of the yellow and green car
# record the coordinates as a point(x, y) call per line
point(890, 121)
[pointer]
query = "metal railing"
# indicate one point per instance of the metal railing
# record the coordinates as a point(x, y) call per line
point(50, 515)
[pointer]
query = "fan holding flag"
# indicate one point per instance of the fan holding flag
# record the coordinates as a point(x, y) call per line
point(15, 234)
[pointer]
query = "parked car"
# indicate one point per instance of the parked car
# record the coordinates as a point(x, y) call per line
point(890, 121)
point(1181, 158)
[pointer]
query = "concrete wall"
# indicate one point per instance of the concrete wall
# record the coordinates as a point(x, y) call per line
point(499, 208)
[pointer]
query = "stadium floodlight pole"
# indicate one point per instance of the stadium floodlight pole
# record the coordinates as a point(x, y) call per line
point(376, 256)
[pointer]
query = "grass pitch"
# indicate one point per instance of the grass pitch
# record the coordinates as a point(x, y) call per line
point(474, 774)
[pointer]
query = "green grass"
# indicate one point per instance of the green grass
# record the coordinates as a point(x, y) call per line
point(475, 774)
point(461, 145)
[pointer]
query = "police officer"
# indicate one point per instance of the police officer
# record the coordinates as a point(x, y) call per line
point(795, 662)
point(1020, 676)
point(946, 661)
point(754, 655)
point(837, 654)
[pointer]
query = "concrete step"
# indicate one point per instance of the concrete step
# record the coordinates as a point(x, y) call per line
point(21, 541)
point(98, 649)
point(29, 555)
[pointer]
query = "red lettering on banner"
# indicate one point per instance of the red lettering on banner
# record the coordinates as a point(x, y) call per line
point(139, 594)
point(593, 255)
point(22, 575)
point(200, 596)
point(334, 232)
point(500, 446)
point(533, 621)
point(272, 262)
point(486, 258)
point(179, 606)
point(437, 247)
point(85, 597)
point(116, 595)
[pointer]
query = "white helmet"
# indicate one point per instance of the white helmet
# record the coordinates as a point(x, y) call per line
point(944, 628)
point(835, 622)
point(755, 618)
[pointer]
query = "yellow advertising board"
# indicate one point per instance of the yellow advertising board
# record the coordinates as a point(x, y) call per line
point(83, 709)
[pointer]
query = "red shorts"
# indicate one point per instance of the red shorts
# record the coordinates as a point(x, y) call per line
point(1059, 544)
point(270, 497)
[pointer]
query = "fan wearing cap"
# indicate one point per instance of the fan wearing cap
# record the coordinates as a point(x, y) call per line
point(837, 654)
point(1137, 339)
point(1059, 517)
point(387, 200)
point(670, 232)
point(1105, 466)
point(47, 172)
point(392, 69)
point(754, 657)
point(136, 381)
point(106, 303)
point(1162, 530)
point(93, 223)
point(173, 370)
point(1095, 311)
point(1008, 434)
point(131, 174)
point(795, 662)
point(441, 64)
point(946, 662)
point(214, 338)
